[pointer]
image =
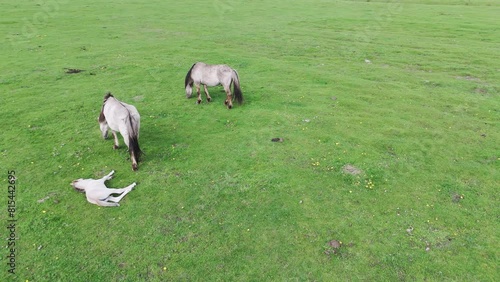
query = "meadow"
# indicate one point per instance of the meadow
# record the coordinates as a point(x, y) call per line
point(388, 110)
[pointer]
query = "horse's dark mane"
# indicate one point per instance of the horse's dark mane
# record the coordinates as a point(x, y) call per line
point(188, 79)
point(102, 118)
point(108, 94)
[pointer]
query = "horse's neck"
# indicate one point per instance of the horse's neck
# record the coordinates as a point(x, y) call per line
point(116, 104)
point(113, 101)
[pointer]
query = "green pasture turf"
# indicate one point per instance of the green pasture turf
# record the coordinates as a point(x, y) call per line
point(388, 110)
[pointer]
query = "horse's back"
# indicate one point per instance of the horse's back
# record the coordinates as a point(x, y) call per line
point(116, 112)
point(132, 110)
point(211, 75)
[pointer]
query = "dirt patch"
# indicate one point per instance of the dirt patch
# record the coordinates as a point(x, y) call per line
point(336, 248)
point(480, 90)
point(352, 170)
point(49, 196)
point(72, 71)
point(333, 248)
point(335, 244)
point(456, 198)
point(139, 98)
point(468, 77)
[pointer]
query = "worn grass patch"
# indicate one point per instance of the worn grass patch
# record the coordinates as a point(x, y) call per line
point(386, 113)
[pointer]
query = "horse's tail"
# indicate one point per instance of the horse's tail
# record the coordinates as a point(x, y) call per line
point(133, 139)
point(236, 88)
point(189, 80)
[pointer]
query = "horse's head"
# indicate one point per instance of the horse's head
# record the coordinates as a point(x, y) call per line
point(79, 185)
point(103, 124)
point(104, 129)
point(189, 90)
point(188, 83)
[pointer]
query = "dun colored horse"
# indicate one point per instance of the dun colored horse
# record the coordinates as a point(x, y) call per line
point(125, 118)
point(213, 75)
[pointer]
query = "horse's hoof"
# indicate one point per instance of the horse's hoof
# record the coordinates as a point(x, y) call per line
point(115, 147)
point(134, 167)
point(198, 102)
point(229, 107)
point(209, 99)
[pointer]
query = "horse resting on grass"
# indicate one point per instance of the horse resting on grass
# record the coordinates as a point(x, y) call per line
point(213, 75)
point(97, 193)
point(125, 118)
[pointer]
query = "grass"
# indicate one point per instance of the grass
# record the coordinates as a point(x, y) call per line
point(405, 92)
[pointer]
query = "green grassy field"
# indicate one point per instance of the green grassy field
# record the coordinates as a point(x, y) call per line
point(389, 111)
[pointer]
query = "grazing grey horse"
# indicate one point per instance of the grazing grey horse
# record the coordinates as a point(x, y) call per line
point(125, 118)
point(97, 193)
point(213, 75)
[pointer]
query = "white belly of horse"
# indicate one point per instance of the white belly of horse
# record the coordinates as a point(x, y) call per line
point(210, 81)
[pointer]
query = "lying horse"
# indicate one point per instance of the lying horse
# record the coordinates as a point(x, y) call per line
point(125, 118)
point(97, 192)
point(213, 75)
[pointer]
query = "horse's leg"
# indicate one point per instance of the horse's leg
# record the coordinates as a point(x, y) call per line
point(115, 146)
point(123, 192)
point(108, 177)
point(107, 204)
point(206, 93)
point(229, 99)
point(198, 92)
point(134, 161)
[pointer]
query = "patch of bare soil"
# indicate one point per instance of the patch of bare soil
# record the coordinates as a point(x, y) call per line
point(468, 77)
point(49, 196)
point(333, 247)
point(350, 169)
point(139, 98)
point(72, 71)
point(480, 90)
point(456, 198)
